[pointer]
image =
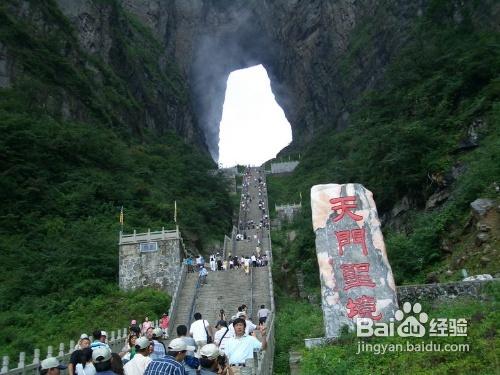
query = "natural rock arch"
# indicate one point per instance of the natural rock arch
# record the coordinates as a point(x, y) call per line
point(302, 45)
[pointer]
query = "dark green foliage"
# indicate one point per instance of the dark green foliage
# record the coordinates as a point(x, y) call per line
point(65, 175)
point(46, 321)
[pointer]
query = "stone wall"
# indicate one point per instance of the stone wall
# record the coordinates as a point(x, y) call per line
point(414, 293)
point(159, 269)
point(288, 211)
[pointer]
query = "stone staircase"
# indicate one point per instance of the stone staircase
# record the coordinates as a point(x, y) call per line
point(184, 303)
point(231, 288)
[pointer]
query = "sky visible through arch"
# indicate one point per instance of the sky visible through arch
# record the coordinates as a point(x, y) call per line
point(253, 128)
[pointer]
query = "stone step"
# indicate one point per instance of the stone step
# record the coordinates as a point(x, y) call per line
point(229, 289)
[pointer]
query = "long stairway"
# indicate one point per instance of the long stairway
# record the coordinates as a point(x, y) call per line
point(231, 288)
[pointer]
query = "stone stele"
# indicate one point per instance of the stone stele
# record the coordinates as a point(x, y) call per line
point(356, 278)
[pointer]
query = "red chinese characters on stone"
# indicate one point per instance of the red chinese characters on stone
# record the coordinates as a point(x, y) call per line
point(344, 205)
point(356, 236)
point(356, 274)
point(363, 307)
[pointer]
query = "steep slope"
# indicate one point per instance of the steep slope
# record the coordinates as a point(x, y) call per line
point(85, 132)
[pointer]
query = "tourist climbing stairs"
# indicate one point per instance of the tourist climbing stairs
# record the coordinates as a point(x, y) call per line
point(226, 290)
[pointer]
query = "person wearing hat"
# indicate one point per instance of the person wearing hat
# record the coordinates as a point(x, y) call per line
point(170, 364)
point(83, 343)
point(182, 333)
point(99, 340)
point(158, 347)
point(141, 360)
point(213, 361)
point(51, 366)
point(101, 357)
point(83, 336)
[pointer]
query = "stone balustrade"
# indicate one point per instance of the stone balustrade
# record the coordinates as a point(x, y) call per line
point(117, 340)
point(284, 167)
point(150, 236)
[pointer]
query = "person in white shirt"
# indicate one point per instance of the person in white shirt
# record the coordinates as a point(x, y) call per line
point(262, 314)
point(85, 365)
point(141, 360)
point(222, 335)
point(240, 347)
point(254, 260)
point(200, 330)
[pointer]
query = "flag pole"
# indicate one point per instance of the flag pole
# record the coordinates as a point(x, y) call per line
point(121, 219)
point(175, 211)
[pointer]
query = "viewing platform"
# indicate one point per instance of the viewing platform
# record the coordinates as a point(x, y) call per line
point(149, 236)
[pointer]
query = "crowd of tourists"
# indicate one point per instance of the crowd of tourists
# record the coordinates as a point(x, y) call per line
point(224, 348)
point(202, 349)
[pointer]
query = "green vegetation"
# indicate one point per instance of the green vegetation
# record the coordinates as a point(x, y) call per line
point(404, 142)
point(75, 149)
point(405, 139)
point(482, 339)
point(45, 321)
point(296, 319)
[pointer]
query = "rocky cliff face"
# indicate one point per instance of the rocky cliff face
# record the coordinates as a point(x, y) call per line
point(95, 63)
point(320, 55)
point(306, 47)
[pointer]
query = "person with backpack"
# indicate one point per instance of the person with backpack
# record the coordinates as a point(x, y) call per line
point(201, 331)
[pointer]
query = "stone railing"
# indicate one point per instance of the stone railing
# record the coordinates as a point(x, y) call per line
point(150, 236)
point(284, 167)
point(443, 291)
point(116, 342)
point(193, 303)
point(287, 211)
point(265, 359)
point(278, 207)
point(172, 312)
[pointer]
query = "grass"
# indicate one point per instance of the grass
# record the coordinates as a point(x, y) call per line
point(482, 339)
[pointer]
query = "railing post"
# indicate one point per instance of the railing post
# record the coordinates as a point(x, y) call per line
point(22, 359)
point(149, 235)
point(5, 364)
point(61, 350)
point(113, 335)
point(162, 233)
point(71, 346)
point(255, 362)
point(36, 357)
point(49, 351)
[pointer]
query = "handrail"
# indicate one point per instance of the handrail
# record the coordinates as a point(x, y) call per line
point(266, 358)
point(116, 342)
point(172, 311)
point(148, 236)
point(250, 313)
point(191, 311)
